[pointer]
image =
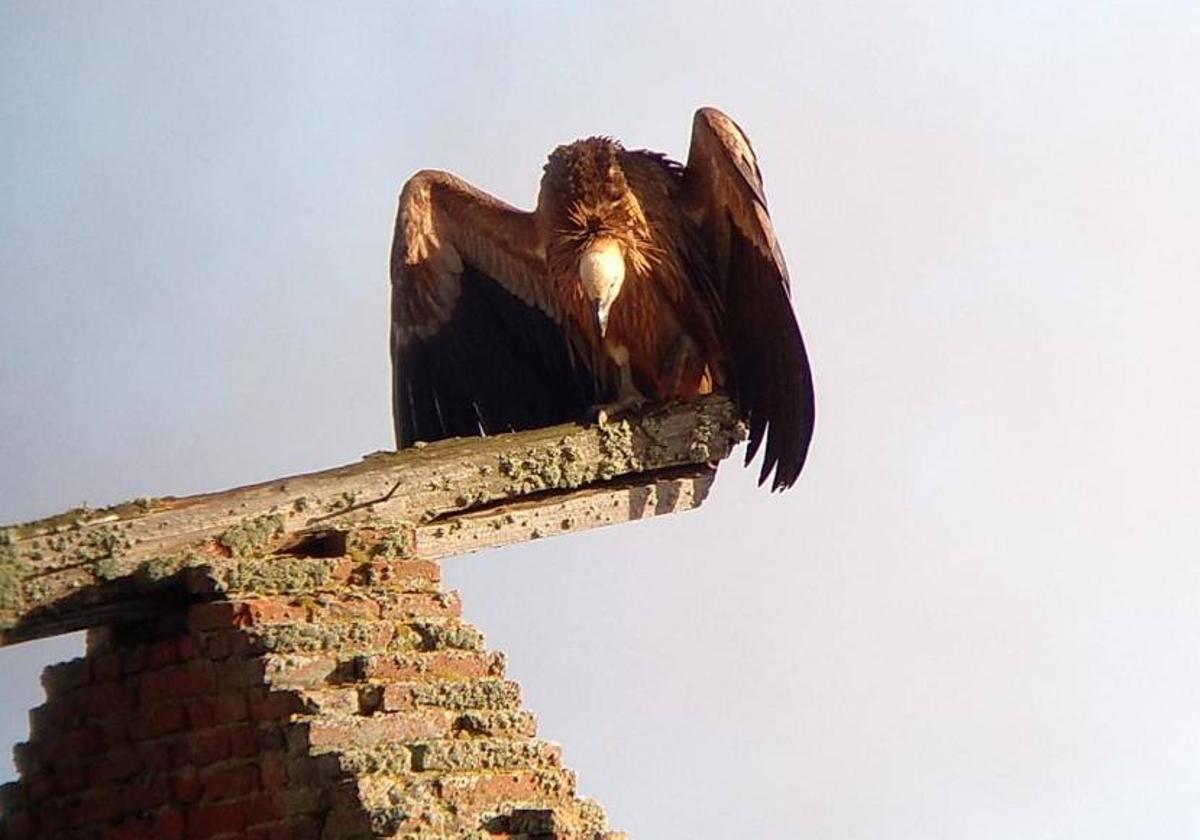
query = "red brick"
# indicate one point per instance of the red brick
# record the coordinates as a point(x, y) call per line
point(201, 748)
point(398, 698)
point(155, 756)
point(25, 757)
point(342, 571)
point(145, 795)
point(230, 781)
point(19, 826)
point(219, 818)
point(214, 615)
point(216, 645)
point(296, 828)
point(133, 660)
point(97, 807)
point(196, 677)
point(270, 738)
point(64, 677)
point(274, 705)
point(158, 719)
point(365, 731)
point(442, 664)
point(264, 808)
point(255, 612)
point(232, 707)
point(189, 648)
point(162, 653)
point(186, 786)
point(346, 607)
point(134, 829)
point(422, 604)
point(107, 666)
point(306, 671)
point(52, 816)
point(49, 719)
point(40, 787)
point(202, 712)
point(168, 825)
point(116, 728)
point(83, 740)
point(246, 645)
point(114, 766)
point(381, 636)
point(106, 698)
point(303, 828)
point(474, 794)
point(403, 571)
point(238, 672)
point(165, 826)
point(69, 773)
point(243, 740)
point(273, 768)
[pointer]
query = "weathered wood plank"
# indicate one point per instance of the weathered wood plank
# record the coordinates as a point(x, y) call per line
point(636, 497)
point(85, 566)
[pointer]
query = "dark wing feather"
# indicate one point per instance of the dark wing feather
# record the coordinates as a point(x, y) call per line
point(477, 346)
point(770, 377)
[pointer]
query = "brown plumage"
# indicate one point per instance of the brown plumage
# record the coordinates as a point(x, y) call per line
point(634, 279)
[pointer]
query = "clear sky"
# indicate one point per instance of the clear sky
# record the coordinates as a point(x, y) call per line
point(978, 613)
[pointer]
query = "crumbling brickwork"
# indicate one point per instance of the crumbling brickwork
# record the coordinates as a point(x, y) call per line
point(327, 697)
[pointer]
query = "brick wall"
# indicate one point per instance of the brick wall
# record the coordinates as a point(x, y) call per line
point(329, 697)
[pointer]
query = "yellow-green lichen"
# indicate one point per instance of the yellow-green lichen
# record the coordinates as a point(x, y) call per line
point(394, 546)
point(438, 636)
point(317, 637)
point(379, 758)
point(12, 571)
point(716, 429)
point(468, 755)
point(703, 434)
point(651, 427)
point(473, 695)
point(591, 816)
point(107, 569)
point(552, 467)
point(502, 724)
point(278, 574)
point(617, 452)
point(160, 568)
point(252, 536)
point(471, 498)
point(96, 544)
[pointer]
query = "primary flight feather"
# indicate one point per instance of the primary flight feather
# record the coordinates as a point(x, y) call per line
point(635, 279)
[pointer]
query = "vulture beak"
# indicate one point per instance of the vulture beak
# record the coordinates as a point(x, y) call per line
point(602, 316)
point(602, 271)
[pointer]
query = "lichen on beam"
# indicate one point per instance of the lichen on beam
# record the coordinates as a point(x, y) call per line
point(85, 567)
point(637, 497)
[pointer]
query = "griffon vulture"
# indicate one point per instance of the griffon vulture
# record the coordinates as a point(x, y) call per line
point(634, 279)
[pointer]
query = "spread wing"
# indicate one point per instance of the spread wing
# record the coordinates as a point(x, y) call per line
point(771, 380)
point(477, 342)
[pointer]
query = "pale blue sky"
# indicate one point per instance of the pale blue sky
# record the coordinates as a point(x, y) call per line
point(977, 614)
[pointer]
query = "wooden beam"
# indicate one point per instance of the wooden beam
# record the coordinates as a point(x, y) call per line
point(87, 567)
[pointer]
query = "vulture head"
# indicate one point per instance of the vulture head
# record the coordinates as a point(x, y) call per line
point(599, 231)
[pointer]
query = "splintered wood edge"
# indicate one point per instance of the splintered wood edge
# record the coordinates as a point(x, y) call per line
point(636, 497)
point(453, 496)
